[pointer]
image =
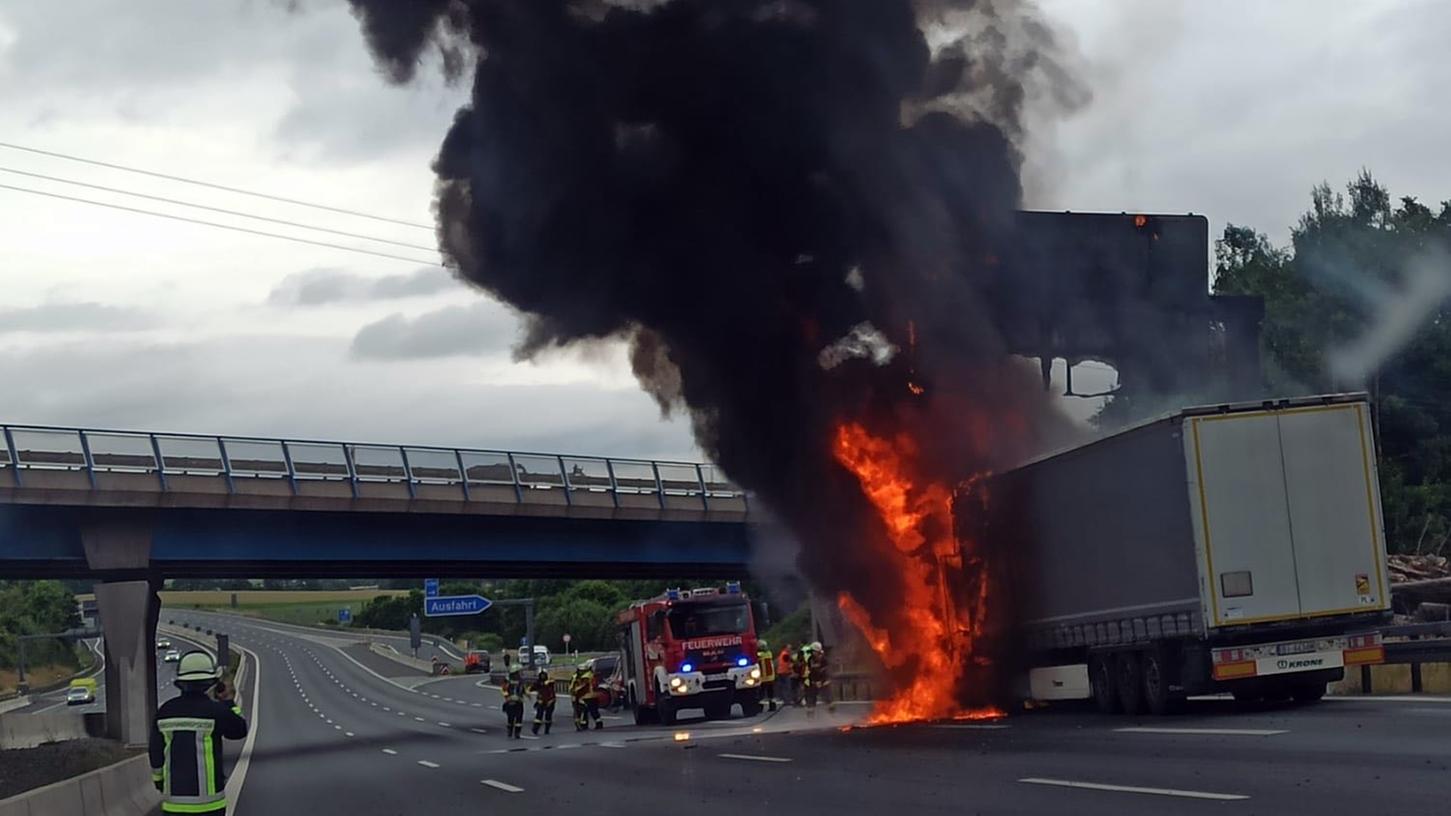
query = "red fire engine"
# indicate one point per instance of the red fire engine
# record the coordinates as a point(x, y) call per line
point(690, 648)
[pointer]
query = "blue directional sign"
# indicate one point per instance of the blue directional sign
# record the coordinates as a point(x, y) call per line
point(430, 587)
point(440, 607)
point(345, 615)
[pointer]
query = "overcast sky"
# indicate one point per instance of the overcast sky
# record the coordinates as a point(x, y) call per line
point(1233, 109)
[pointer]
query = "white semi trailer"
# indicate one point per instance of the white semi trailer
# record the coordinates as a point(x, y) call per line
point(1234, 548)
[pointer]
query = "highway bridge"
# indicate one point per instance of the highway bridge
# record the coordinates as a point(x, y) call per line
point(132, 508)
point(213, 505)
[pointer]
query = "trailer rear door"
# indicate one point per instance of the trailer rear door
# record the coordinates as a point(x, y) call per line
point(1238, 492)
point(1287, 513)
point(1335, 514)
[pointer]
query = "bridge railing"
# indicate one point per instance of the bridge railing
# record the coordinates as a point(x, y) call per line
point(55, 457)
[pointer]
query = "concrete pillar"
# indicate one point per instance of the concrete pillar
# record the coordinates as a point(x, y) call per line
point(119, 547)
point(129, 610)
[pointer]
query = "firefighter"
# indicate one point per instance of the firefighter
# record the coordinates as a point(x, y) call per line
point(514, 693)
point(544, 697)
point(798, 672)
point(186, 738)
point(786, 670)
point(818, 679)
point(767, 662)
point(586, 700)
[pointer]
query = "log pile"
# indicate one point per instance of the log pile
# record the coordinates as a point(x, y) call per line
point(1406, 568)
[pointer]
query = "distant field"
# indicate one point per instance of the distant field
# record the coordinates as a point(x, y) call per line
point(267, 597)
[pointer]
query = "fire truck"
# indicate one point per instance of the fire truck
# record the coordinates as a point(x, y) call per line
point(690, 648)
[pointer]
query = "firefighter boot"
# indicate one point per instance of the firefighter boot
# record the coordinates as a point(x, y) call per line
point(547, 724)
point(599, 725)
point(535, 729)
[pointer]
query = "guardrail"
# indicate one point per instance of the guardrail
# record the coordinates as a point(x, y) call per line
point(1424, 643)
point(172, 461)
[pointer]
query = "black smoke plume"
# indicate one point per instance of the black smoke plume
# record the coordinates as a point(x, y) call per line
point(792, 209)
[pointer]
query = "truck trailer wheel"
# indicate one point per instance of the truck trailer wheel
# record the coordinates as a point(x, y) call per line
point(1129, 680)
point(1158, 699)
point(1308, 692)
point(1100, 680)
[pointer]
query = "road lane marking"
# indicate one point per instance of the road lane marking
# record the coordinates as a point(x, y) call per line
point(420, 719)
point(1238, 732)
point(754, 758)
point(478, 731)
point(1186, 794)
point(386, 708)
point(349, 734)
point(477, 705)
point(390, 752)
point(445, 725)
point(528, 736)
point(425, 763)
point(613, 745)
point(503, 786)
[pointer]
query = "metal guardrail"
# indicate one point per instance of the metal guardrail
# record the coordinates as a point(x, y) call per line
point(234, 459)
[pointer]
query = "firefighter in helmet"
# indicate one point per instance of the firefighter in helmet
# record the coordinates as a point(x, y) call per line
point(818, 679)
point(186, 738)
point(544, 698)
point(767, 662)
point(586, 700)
point(514, 693)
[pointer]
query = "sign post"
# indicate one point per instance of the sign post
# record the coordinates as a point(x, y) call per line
point(430, 587)
point(345, 615)
point(567, 639)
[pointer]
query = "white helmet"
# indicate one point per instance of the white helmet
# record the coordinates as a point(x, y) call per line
point(197, 665)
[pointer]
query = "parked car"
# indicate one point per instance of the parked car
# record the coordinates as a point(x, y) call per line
point(477, 661)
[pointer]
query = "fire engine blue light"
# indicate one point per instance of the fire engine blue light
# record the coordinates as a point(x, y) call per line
point(733, 587)
point(685, 667)
point(743, 661)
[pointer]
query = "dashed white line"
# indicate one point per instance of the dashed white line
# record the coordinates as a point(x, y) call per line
point(445, 725)
point(1186, 794)
point(349, 734)
point(420, 719)
point(425, 763)
point(478, 731)
point(503, 786)
point(1237, 732)
point(754, 758)
point(390, 752)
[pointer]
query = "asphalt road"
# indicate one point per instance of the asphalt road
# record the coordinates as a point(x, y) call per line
point(56, 699)
point(335, 738)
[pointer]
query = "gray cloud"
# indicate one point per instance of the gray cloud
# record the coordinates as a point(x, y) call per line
point(454, 330)
point(73, 316)
point(318, 287)
point(295, 386)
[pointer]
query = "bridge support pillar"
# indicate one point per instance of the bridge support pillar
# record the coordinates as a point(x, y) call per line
point(128, 611)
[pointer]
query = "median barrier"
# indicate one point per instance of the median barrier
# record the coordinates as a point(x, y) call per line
point(122, 789)
point(30, 730)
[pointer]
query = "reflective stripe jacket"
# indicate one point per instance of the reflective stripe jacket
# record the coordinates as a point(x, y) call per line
point(582, 687)
point(514, 691)
point(544, 691)
point(186, 751)
point(768, 665)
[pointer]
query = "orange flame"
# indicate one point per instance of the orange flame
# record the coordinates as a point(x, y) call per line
point(932, 639)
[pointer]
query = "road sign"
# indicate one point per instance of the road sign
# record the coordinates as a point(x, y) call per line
point(345, 615)
point(567, 638)
point(438, 607)
point(430, 587)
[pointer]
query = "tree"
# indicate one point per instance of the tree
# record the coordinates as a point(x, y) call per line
point(1366, 280)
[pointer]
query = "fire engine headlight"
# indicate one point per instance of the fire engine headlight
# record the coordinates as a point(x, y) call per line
point(756, 673)
point(676, 682)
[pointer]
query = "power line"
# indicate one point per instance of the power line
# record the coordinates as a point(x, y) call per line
point(214, 186)
point(231, 227)
point(222, 210)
